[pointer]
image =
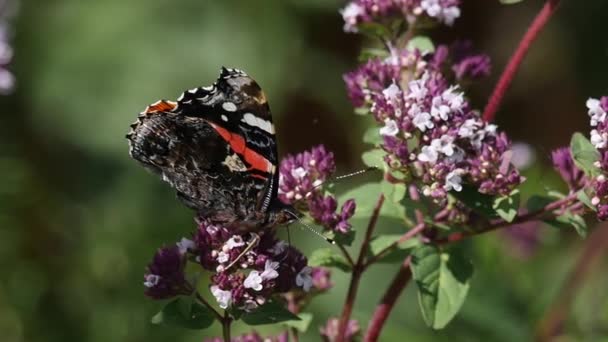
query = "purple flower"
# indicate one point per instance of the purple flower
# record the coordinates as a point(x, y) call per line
point(329, 333)
point(165, 277)
point(321, 279)
point(563, 163)
point(365, 11)
point(473, 67)
point(300, 184)
point(253, 337)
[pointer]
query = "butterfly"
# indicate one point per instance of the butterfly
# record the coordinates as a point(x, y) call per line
point(216, 146)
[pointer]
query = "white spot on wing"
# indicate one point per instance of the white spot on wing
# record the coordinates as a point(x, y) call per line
point(208, 88)
point(224, 117)
point(229, 106)
point(193, 91)
point(181, 97)
point(255, 121)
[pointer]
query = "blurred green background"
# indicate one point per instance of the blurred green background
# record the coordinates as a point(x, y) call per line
point(79, 220)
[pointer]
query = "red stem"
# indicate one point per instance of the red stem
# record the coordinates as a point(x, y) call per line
point(507, 75)
point(388, 301)
point(358, 271)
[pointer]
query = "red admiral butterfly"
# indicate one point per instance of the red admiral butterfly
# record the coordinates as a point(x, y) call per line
point(216, 146)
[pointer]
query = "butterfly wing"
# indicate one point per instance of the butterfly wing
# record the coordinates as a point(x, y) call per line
point(216, 146)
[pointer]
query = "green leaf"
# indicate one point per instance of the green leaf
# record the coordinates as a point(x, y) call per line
point(394, 192)
point(269, 313)
point(330, 258)
point(507, 206)
point(422, 43)
point(369, 53)
point(395, 254)
point(509, 2)
point(374, 158)
point(186, 313)
point(443, 283)
point(584, 154)
point(569, 220)
point(478, 202)
point(302, 324)
point(374, 30)
point(537, 202)
point(372, 136)
point(582, 196)
point(362, 110)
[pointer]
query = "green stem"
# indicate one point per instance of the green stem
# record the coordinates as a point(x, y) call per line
point(226, 321)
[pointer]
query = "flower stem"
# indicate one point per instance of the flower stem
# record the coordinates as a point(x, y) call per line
point(358, 271)
point(388, 301)
point(507, 75)
point(226, 321)
point(209, 306)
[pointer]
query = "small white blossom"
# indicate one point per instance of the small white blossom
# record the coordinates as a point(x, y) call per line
point(598, 140)
point(596, 112)
point(235, 241)
point(253, 281)
point(270, 270)
point(423, 121)
point(184, 245)
point(151, 280)
point(278, 247)
point(438, 109)
point(350, 14)
point(304, 278)
point(392, 93)
point(445, 145)
point(223, 257)
point(468, 128)
point(450, 15)
point(224, 298)
point(417, 88)
point(390, 128)
point(299, 173)
point(428, 154)
point(454, 99)
point(453, 180)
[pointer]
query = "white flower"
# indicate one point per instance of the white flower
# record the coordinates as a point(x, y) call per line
point(224, 298)
point(428, 154)
point(304, 278)
point(253, 281)
point(468, 128)
point(350, 14)
point(598, 140)
point(390, 128)
point(455, 100)
point(453, 180)
point(596, 112)
point(151, 280)
point(450, 14)
point(438, 109)
point(445, 145)
point(223, 257)
point(457, 156)
point(299, 173)
point(184, 245)
point(270, 270)
point(417, 88)
point(235, 241)
point(431, 7)
point(391, 93)
point(278, 247)
point(423, 121)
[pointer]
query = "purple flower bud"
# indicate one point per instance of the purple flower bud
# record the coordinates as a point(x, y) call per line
point(321, 279)
point(165, 276)
point(253, 337)
point(563, 163)
point(329, 332)
point(472, 67)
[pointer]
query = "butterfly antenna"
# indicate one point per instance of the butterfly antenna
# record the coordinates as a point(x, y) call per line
point(311, 228)
point(348, 175)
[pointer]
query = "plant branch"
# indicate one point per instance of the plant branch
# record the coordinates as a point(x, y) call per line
point(358, 271)
point(226, 326)
point(388, 301)
point(553, 320)
point(209, 306)
point(507, 75)
point(405, 237)
point(347, 256)
point(520, 218)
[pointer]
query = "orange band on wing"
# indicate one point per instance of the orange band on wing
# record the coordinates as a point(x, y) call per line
point(237, 143)
point(161, 106)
